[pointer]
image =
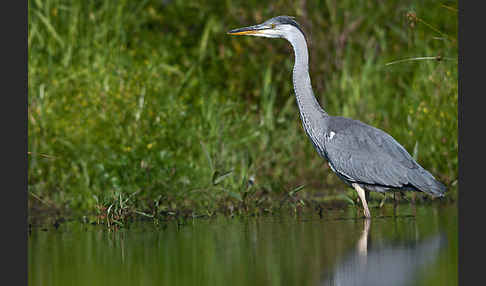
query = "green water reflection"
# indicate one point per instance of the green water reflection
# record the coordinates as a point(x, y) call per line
point(418, 246)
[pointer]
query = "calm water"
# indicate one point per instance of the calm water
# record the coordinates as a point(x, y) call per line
point(405, 246)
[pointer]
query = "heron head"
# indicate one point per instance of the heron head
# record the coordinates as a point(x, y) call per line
point(277, 27)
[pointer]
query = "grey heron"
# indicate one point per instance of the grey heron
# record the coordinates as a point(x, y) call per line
point(363, 156)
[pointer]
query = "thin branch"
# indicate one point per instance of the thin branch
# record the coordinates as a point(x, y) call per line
point(437, 58)
point(41, 200)
point(449, 8)
point(433, 28)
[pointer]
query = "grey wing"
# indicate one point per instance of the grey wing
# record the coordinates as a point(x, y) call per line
point(364, 154)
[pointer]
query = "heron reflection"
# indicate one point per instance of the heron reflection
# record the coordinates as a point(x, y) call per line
point(387, 264)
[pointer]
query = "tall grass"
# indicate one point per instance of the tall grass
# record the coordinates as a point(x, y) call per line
point(153, 97)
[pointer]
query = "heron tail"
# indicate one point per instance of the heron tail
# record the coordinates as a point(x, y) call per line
point(425, 182)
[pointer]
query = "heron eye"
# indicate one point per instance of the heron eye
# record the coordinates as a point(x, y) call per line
point(273, 26)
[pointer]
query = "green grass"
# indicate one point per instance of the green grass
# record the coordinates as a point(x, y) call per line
point(153, 98)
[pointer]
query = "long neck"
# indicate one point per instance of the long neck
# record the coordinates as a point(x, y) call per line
point(311, 112)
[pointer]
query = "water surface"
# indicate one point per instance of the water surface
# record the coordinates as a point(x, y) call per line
point(399, 246)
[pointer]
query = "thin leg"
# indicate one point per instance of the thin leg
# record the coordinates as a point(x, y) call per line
point(382, 203)
point(361, 194)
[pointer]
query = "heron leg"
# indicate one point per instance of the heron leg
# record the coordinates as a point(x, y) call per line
point(382, 203)
point(361, 194)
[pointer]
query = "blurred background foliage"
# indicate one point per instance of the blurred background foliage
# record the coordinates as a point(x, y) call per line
point(151, 101)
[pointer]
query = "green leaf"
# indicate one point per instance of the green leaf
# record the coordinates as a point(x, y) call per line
point(218, 178)
point(296, 190)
